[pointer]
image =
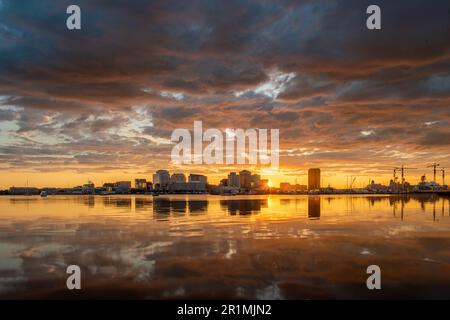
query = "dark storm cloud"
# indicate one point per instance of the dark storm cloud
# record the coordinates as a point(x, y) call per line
point(175, 113)
point(437, 138)
point(210, 45)
point(180, 61)
point(7, 115)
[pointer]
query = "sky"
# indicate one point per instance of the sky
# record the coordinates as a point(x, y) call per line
point(101, 103)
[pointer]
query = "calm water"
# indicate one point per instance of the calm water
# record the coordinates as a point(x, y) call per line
point(264, 247)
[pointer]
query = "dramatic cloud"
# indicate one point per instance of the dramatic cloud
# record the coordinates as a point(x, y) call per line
point(108, 96)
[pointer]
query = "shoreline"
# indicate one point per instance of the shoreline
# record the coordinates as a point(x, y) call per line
point(439, 193)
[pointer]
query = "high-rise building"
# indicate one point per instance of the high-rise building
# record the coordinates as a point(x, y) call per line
point(122, 186)
point(264, 184)
point(109, 187)
point(140, 184)
point(245, 179)
point(125, 184)
point(178, 178)
point(88, 188)
point(255, 181)
point(197, 178)
point(314, 179)
point(178, 183)
point(285, 186)
point(161, 179)
point(233, 180)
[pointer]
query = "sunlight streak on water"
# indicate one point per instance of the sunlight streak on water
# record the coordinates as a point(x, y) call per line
point(211, 246)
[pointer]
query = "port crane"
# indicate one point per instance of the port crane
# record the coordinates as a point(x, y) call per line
point(352, 179)
point(395, 173)
point(402, 169)
point(443, 175)
point(434, 166)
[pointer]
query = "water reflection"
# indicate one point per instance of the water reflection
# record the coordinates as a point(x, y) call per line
point(244, 206)
point(164, 207)
point(142, 203)
point(198, 207)
point(119, 202)
point(225, 247)
point(314, 207)
point(178, 207)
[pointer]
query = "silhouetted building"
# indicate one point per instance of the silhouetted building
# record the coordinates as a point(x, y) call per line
point(177, 177)
point(255, 181)
point(245, 179)
point(285, 186)
point(23, 191)
point(161, 180)
point(88, 188)
point(178, 184)
point(314, 179)
point(198, 178)
point(264, 184)
point(233, 180)
point(109, 187)
point(140, 184)
point(122, 186)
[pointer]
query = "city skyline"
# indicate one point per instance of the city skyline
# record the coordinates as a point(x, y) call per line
point(81, 105)
point(312, 180)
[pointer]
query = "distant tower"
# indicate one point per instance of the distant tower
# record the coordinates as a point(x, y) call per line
point(161, 178)
point(245, 177)
point(314, 179)
point(178, 177)
point(233, 180)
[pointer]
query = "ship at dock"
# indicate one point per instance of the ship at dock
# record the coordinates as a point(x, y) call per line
point(425, 186)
